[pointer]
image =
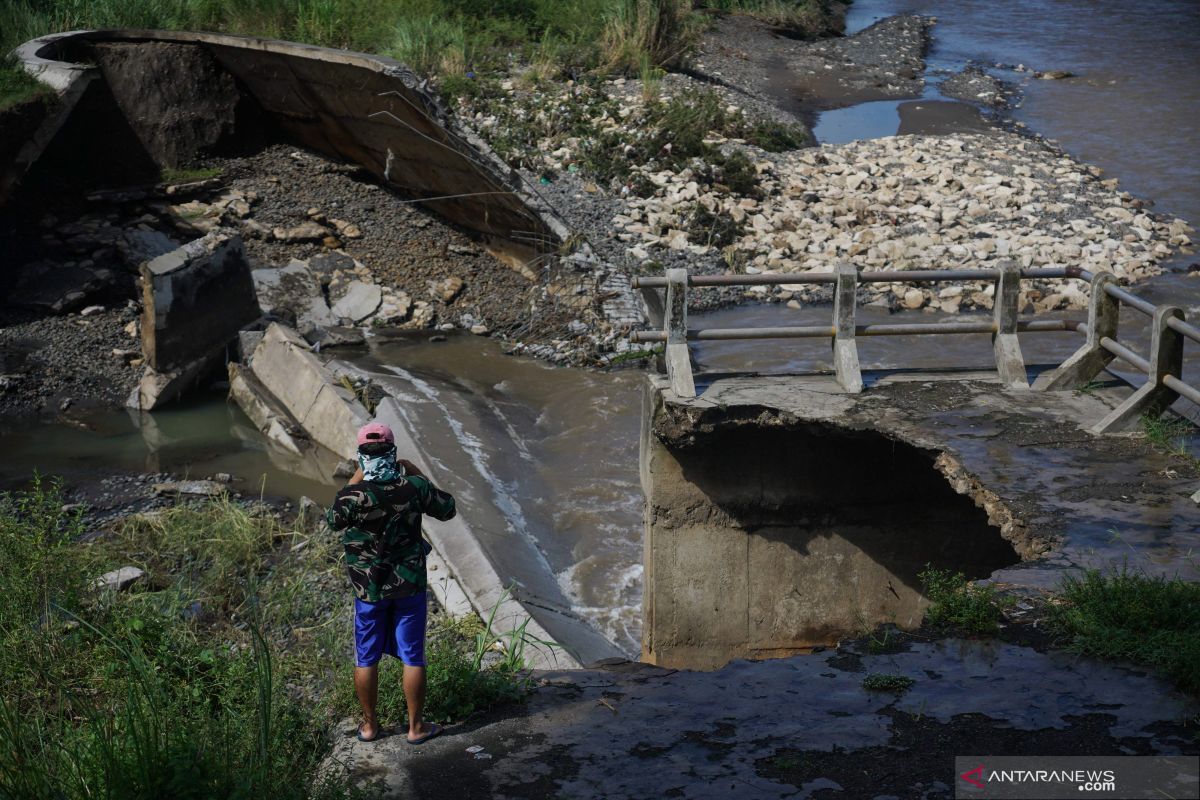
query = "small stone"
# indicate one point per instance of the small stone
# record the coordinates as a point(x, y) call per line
point(447, 289)
point(223, 477)
point(479, 330)
point(304, 232)
point(91, 310)
point(119, 579)
point(199, 488)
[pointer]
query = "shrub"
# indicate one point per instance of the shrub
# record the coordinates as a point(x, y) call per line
point(955, 602)
point(1126, 616)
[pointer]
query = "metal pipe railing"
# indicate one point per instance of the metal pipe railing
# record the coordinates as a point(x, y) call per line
point(1125, 353)
point(1163, 368)
point(829, 331)
point(882, 276)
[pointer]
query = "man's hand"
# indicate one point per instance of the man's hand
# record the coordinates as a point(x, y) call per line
point(409, 467)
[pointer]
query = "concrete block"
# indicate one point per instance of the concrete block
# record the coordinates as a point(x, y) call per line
point(305, 388)
point(156, 389)
point(195, 300)
point(271, 420)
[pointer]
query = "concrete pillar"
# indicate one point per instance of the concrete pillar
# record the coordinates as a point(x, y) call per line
point(1091, 359)
point(845, 349)
point(679, 363)
point(1166, 358)
point(1009, 361)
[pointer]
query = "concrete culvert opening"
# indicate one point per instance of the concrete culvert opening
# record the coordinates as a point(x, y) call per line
point(765, 540)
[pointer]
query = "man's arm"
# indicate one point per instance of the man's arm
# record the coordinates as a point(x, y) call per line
point(434, 502)
point(344, 511)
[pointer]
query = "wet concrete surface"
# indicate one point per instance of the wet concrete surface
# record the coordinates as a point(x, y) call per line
point(748, 729)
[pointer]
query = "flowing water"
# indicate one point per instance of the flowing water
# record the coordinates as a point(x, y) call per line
point(550, 454)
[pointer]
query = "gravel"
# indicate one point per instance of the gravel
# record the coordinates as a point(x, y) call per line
point(55, 363)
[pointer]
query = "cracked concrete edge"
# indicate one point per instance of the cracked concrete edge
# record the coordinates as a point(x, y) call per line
point(1034, 547)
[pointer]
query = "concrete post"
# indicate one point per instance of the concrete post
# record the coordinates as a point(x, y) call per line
point(1089, 360)
point(1009, 361)
point(845, 349)
point(679, 363)
point(1166, 358)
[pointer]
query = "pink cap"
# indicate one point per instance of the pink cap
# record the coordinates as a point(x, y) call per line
point(375, 432)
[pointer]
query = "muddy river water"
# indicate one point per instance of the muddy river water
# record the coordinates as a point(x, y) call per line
point(551, 453)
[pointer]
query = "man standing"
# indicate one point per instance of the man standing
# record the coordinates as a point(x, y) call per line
point(379, 513)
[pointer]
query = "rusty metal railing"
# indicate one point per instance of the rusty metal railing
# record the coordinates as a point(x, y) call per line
point(1164, 381)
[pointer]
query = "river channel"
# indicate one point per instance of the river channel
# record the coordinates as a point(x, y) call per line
point(550, 454)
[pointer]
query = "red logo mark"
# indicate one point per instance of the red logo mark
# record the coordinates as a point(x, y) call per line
point(977, 772)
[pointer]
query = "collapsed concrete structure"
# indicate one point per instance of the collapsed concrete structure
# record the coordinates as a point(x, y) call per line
point(171, 97)
point(194, 301)
point(787, 512)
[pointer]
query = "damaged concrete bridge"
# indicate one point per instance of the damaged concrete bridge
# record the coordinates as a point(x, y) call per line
point(785, 512)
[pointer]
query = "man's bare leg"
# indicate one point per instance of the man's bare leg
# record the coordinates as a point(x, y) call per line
point(414, 696)
point(366, 686)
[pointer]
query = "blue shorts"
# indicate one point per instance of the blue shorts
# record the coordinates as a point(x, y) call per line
point(395, 627)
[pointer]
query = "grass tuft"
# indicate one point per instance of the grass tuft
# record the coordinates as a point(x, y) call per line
point(879, 682)
point(1126, 616)
point(955, 602)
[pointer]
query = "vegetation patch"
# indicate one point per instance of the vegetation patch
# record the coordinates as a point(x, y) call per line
point(454, 40)
point(879, 682)
point(1173, 435)
point(174, 175)
point(209, 676)
point(957, 603)
point(1126, 616)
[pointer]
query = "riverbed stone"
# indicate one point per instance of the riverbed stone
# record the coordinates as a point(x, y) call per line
point(359, 301)
point(118, 579)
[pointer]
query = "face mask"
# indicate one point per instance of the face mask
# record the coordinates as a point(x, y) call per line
point(382, 467)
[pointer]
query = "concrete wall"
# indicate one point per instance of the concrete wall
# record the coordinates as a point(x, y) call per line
point(195, 300)
point(766, 537)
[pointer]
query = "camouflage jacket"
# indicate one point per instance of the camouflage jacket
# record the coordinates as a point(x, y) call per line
point(381, 533)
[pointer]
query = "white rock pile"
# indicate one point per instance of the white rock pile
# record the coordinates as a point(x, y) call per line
point(918, 202)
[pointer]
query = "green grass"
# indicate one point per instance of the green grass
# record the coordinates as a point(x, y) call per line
point(217, 675)
point(879, 682)
point(1173, 435)
point(957, 603)
point(451, 39)
point(172, 175)
point(1126, 616)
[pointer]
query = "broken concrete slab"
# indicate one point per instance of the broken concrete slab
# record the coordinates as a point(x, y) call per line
point(118, 579)
point(269, 417)
point(358, 302)
point(159, 388)
point(195, 300)
point(328, 412)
